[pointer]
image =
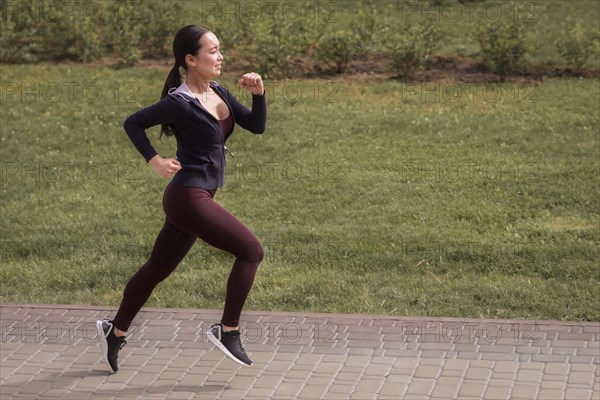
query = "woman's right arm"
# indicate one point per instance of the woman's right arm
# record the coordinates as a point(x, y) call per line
point(166, 111)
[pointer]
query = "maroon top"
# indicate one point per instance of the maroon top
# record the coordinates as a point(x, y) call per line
point(226, 125)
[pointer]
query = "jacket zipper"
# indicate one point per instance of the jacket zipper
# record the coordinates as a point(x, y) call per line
point(225, 149)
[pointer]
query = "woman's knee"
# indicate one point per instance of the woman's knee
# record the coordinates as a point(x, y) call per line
point(253, 252)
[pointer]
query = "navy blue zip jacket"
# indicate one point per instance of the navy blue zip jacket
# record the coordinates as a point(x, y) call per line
point(200, 142)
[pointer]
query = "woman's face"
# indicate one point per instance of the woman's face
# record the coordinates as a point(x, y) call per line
point(207, 63)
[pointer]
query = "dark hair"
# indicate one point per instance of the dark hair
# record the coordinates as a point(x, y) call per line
point(186, 41)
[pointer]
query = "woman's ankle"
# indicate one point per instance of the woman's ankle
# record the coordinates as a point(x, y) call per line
point(119, 332)
point(230, 328)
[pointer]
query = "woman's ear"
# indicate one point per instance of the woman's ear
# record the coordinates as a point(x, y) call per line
point(190, 60)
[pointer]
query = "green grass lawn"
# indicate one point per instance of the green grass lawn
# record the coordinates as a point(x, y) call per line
point(379, 197)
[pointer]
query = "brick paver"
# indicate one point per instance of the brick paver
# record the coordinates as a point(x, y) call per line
point(52, 352)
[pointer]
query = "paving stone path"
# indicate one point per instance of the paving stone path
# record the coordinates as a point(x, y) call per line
point(52, 352)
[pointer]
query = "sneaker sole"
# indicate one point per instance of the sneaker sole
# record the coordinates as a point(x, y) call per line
point(220, 346)
point(103, 345)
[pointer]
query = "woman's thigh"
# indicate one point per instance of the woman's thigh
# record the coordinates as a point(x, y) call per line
point(193, 210)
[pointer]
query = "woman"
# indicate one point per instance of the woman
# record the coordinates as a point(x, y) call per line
point(201, 114)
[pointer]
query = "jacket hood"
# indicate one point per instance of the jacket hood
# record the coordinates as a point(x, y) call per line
point(184, 91)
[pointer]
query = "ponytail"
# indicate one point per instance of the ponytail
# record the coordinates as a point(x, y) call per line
point(186, 41)
point(173, 80)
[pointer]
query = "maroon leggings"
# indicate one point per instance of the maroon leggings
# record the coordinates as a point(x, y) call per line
point(192, 213)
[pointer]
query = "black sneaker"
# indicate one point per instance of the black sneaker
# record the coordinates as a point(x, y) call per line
point(110, 343)
point(229, 343)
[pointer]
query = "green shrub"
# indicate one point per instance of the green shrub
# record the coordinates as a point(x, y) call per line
point(366, 22)
point(233, 31)
point(124, 33)
point(73, 37)
point(159, 22)
point(10, 51)
point(85, 42)
point(337, 49)
point(20, 38)
point(276, 42)
point(336, 46)
point(577, 45)
point(33, 30)
point(503, 46)
point(411, 48)
point(307, 32)
point(272, 48)
point(267, 39)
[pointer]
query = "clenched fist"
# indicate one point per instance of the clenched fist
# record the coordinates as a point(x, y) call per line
point(252, 82)
point(164, 167)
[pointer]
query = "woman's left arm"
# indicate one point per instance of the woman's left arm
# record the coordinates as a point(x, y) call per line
point(254, 120)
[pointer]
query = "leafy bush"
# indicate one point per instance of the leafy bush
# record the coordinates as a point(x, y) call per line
point(338, 48)
point(271, 47)
point(73, 37)
point(232, 30)
point(85, 42)
point(33, 30)
point(10, 49)
point(503, 45)
point(21, 39)
point(277, 41)
point(444, 2)
point(366, 21)
point(124, 33)
point(577, 45)
point(412, 48)
point(264, 36)
point(158, 23)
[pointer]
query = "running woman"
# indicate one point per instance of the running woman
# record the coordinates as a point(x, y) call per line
point(201, 114)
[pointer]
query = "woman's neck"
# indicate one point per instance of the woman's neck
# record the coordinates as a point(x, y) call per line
point(197, 84)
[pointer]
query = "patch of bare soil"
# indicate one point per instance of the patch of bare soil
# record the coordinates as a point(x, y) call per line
point(444, 69)
point(440, 69)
